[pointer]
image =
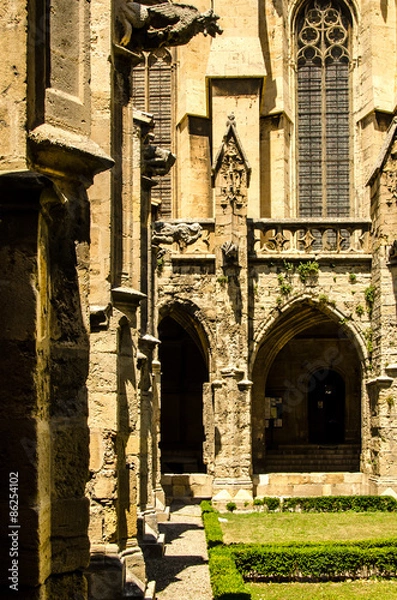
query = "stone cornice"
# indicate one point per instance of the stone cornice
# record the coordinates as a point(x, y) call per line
point(62, 154)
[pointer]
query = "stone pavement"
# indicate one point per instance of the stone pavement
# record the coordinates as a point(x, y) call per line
point(183, 571)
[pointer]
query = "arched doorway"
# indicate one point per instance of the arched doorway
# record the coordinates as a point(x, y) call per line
point(326, 407)
point(306, 396)
point(183, 373)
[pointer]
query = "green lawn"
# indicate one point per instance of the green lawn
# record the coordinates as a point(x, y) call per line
point(349, 590)
point(313, 527)
point(264, 528)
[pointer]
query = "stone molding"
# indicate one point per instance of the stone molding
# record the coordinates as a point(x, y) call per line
point(62, 154)
point(127, 300)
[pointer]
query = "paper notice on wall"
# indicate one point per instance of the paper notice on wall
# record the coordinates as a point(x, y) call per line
point(267, 407)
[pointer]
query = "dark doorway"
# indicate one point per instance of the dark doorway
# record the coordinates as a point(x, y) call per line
point(326, 407)
point(184, 371)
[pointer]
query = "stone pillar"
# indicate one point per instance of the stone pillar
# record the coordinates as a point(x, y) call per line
point(232, 405)
point(46, 332)
point(232, 477)
point(25, 464)
point(382, 301)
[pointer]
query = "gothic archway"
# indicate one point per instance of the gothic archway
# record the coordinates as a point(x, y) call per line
point(184, 372)
point(306, 397)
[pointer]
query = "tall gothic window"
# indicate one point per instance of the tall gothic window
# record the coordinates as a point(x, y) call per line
point(323, 86)
point(151, 91)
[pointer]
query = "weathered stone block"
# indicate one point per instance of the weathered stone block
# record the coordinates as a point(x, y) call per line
point(69, 518)
point(104, 486)
point(70, 457)
point(69, 554)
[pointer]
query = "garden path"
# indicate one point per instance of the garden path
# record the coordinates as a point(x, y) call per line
point(182, 573)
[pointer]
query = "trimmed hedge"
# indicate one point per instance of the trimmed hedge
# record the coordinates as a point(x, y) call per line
point(337, 504)
point(230, 565)
point(212, 528)
point(226, 581)
point(320, 561)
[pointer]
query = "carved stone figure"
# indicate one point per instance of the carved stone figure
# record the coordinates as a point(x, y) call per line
point(393, 252)
point(233, 167)
point(156, 160)
point(145, 25)
point(181, 233)
point(230, 253)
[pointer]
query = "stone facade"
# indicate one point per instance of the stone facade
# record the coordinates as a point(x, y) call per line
point(227, 345)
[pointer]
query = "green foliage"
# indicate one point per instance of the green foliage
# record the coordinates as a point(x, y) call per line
point(352, 277)
point(289, 267)
point(271, 503)
point(369, 294)
point(285, 286)
point(320, 561)
point(231, 506)
point(223, 280)
point(160, 264)
point(340, 503)
point(330, 503)
point(368, 336)
point(226, 581)
point(323, 298)
point(359, 310)
point(308, 270)
point(206, 507)
point(213, 530)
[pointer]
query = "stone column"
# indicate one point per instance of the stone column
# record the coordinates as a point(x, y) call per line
point(232, 405)
point(382, 301)
point(46, 338)
point(25, 439)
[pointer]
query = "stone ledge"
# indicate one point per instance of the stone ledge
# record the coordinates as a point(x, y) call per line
point(59, 153)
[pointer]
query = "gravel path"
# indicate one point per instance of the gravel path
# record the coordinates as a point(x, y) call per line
point(182, 573)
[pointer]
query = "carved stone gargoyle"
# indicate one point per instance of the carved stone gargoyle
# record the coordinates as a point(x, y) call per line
point(157, 161)
point(146, 25)
point(181, 233)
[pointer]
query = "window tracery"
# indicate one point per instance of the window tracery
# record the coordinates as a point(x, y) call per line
point(323, 98)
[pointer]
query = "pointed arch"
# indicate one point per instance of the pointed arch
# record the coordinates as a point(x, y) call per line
point(185, 358)
point(192, 319)
point(307, 373)
point(294, 317)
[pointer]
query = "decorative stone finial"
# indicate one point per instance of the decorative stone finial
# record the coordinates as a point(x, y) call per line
point(231, 120)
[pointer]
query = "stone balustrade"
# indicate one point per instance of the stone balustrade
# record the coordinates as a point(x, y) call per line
point(338, 236)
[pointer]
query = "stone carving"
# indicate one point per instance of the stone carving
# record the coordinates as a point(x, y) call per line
point(149, 25)
point(156, 160)
point(233, 167)
point(393, 253)
point(230, 253)
point(181, 233)
point(391, 184)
